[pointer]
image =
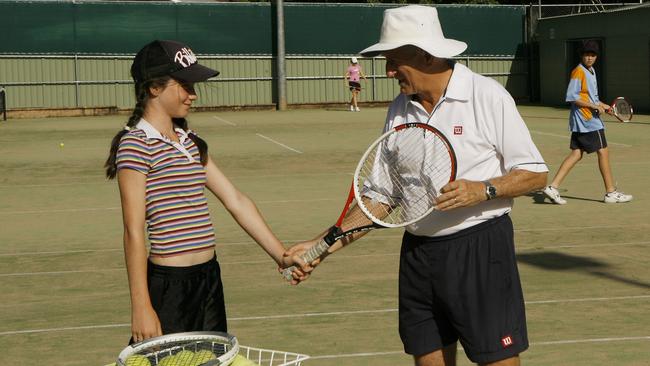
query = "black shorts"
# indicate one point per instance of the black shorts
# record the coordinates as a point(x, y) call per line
point(588, 141)
point(354, 85)
point(188, 298)
point(464, 286)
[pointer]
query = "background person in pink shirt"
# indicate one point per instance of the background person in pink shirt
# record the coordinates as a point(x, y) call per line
point(354, 73)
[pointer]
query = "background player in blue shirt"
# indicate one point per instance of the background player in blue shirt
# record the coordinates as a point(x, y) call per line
point(587, 129)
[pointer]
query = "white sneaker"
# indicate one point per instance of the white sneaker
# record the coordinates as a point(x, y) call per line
point(617, 197)
point(351, 108)
point(552, 193)
point(358, 110)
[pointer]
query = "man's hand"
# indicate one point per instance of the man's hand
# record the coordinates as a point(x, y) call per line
point(461, 193)
point(293, 256)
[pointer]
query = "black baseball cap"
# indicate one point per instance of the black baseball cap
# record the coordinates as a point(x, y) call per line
point(590, 46)
point(169, 58)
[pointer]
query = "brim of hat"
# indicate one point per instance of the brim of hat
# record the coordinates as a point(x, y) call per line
point(195, 73)
point(445, 48)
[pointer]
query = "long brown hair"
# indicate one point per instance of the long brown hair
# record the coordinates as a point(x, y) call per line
point(142, 95)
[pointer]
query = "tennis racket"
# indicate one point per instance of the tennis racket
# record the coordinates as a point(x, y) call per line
point(621, 109)
point(182, 349)
point(396, 183)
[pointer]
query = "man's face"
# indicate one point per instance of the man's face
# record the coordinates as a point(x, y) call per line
point(406, 65)
point(589, 58)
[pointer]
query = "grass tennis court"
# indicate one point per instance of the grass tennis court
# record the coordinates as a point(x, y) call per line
point(64, 290)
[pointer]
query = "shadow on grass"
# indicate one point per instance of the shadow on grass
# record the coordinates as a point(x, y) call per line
point(563, 262)
point(540, 199)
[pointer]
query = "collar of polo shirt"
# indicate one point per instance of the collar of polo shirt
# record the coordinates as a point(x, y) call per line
point(151, 133)
point(459, 87)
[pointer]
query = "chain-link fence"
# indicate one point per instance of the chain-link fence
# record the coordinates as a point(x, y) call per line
point(579, 7)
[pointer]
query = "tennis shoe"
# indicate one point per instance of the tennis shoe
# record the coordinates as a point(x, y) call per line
point(358, 110)
point(553, 194)
point(617, 197)
point(351, 108)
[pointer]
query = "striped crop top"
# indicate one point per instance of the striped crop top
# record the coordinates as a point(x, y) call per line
point(177, 216)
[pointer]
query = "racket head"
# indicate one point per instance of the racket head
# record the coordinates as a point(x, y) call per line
point(189, 348)
point(622, 109)
point(404, 170)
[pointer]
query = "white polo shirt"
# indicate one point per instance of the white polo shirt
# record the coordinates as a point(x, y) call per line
point(480, 120)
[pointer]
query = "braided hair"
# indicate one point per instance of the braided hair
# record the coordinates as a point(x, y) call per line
point(142, 96)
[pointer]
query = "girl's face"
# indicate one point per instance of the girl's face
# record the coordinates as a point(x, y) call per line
point(176, 98)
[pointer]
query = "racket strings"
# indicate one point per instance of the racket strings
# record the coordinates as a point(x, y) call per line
point(356, 218)
point(180, 353)
point(623, 109)
point(405, 173)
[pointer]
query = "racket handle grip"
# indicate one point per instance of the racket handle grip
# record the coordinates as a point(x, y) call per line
point(309, 256)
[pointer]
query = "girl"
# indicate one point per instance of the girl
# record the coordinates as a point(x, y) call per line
point(162, 168)
point(353, 73)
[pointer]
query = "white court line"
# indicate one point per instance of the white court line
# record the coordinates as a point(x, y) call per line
point(328, 314)
point(592, 340)
point(560, 228)
point(49, 185)
point(352, 355)
point(279, 143)
point(59, 272)
point(60, 210)
point(224, 121)
point(118, 208)
point(520, 247)
point(60, 252)
point(567, 137)
point(567, 341)
point(46, 330)
point(256, 177)
point(355, 257)
point(290, 201)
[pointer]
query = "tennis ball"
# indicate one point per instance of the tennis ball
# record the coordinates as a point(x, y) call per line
point(137, 360)
point(61, 144)
point(201, 357)
point(184, 357)
point(242, 361)
point(169, 361)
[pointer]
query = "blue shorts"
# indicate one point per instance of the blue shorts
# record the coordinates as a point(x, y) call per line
point(463, 287)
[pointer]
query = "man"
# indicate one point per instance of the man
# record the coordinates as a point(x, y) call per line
point(587, 129)
point(458, 276)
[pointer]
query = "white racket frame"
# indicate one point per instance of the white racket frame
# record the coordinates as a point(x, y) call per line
point(357, 193)
point(224, 359)
point(614, 110)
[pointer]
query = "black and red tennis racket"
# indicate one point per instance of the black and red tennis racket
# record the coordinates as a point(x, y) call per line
point(621, 109)
point(396, 183)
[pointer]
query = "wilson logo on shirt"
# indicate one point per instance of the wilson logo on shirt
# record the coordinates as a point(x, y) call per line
point(506, 341)
point(458, 130)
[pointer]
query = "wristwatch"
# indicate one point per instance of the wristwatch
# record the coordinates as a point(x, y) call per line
point(490, 190)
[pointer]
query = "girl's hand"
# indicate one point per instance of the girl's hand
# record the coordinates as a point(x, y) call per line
point(145, 324)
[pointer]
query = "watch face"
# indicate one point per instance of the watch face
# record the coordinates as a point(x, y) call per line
point(492, 191)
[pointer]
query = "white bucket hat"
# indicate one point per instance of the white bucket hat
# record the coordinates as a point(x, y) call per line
point(354, 60)
point(418, 26)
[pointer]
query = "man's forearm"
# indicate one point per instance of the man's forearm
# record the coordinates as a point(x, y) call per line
point(519, 182)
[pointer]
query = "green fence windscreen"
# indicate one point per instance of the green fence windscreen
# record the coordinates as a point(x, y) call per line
point(235, 28)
